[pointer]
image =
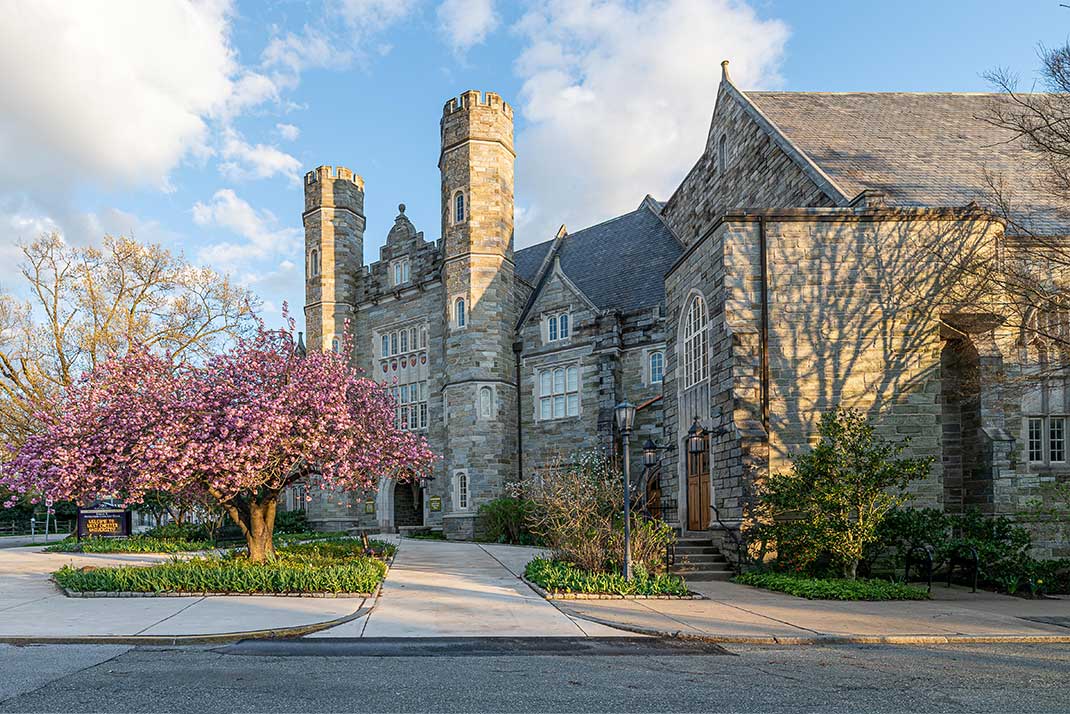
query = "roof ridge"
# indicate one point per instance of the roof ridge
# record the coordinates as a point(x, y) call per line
point(891, 93)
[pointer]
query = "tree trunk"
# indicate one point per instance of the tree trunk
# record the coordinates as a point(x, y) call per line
point(256, 518)
point(850, 569)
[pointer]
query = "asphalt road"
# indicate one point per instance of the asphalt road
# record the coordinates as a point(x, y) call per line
point(533, 675)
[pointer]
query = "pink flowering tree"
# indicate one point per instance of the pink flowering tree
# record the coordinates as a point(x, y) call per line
point(239, 428)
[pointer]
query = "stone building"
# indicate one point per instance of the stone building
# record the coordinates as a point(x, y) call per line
point(822, 251)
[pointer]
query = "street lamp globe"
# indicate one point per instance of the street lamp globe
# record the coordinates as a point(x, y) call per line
point(650, 453)
point(696, 438)
point(625, 413)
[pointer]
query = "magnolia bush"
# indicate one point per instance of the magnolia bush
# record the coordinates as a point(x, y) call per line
point(577, 513)
point(237, 430)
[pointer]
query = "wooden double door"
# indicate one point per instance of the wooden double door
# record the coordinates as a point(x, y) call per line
point(698, 490)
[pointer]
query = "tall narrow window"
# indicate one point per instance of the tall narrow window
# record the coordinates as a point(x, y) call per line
point(696, 357)
point(404, 340)
point(386, 346)
point(412, 338)
point(657, 367)
point(551, 328)
point(393, 343)
point(334, 345)
point(461, 479)
point(722, 153)
point(313, 263)
point(563, 324)
point(1036, 439)
point(458, 313)
point(1056, 439)
point(486, 402)
point(423, 338)
point(458, 207)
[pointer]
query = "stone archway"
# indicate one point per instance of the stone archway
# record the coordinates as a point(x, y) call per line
point(408, 505)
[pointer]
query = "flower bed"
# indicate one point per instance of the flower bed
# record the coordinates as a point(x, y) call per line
point(338, 566)
point(559, 579)
point(132, 544)
point(832, 588)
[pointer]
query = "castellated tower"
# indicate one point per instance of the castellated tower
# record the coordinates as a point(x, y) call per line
point(334, 252)
point(479, 389)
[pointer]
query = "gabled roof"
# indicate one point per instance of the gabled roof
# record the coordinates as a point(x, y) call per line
point(619, 264)
point(918, 149)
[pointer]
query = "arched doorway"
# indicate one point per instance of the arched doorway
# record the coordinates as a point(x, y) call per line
point(408, 505)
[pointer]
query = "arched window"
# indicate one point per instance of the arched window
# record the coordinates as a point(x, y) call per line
point(393, 343)
point(563, 324)
point(696, 356)
point(458, 207)
point(386, 346)
point(722, 152)
point(486, 402)
point(459, 316)
point(657, 367)
point(404, 340)
point(334, 345)
point(313, 263)
point(551, 328)
point(460, 479)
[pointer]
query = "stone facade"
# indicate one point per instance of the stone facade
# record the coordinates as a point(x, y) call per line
point(764, 293)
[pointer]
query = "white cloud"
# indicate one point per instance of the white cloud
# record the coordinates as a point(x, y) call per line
point(119, 91)
point(466, 23)
point(289, 132)
point(242, 160)
point(262, 236)
point(618, 99)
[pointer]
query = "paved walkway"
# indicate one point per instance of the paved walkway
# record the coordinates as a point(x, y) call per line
point(32, 606)
point(439, 589)
point(24, 540)
point(741, 613)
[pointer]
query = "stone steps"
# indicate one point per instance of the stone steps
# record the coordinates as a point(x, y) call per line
point(697, 559)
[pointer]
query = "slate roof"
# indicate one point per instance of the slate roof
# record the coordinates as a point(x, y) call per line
point(619, 264)
point(919, 149)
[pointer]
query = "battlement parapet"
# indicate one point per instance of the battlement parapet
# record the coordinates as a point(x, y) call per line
point(333, 173)
point(475, 99)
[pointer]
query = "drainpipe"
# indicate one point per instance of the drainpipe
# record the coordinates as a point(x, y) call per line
point(518, 346)
point(763, 252)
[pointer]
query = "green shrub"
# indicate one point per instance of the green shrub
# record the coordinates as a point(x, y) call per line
point(505, 520)
point(326, 566)
point(132, 544)
point(291, 522)
point(426, 535)
point(556, 576)
point(836, 495)
point(180, 531)
point(832, 588)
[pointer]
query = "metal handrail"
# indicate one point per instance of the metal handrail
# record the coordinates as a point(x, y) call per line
point(927, 561)
point(735, 539)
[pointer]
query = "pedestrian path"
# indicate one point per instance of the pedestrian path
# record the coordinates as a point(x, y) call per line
point(447, 589)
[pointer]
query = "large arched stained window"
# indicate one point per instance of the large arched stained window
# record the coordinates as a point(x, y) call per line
point(696, 355)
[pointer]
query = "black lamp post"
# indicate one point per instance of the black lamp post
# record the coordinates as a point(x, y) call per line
point(650, 453)
point(625, 413)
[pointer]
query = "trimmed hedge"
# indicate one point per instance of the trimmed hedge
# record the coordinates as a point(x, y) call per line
point(832, 588)
point(325, 566)
point(559, 577)
point(133, 544)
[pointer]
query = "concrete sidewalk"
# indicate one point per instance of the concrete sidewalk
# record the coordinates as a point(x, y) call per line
point(446, 589)
point(19, 541)
point(32, 607)
point(738, 613)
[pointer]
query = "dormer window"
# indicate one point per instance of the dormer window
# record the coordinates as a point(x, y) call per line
point(313, 263)
point(458, 207)
point(401, 272)
point(557, 327)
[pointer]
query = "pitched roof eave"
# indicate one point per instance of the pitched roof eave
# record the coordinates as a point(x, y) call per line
point(800, 157)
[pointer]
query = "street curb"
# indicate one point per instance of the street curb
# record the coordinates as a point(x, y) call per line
point(557, 596)
point(223, 637)
point(829, 639)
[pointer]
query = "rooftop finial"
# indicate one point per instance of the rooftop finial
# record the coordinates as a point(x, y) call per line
point(401, 207)
point(724, 71)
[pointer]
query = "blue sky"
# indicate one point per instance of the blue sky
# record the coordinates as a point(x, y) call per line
point(190, 124)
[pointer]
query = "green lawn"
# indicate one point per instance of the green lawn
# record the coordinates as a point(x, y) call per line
point(832, 588)
point(327, 566)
